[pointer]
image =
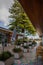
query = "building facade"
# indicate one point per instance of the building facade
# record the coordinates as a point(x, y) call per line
point(5, 34)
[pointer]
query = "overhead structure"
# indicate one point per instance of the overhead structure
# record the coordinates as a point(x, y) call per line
point(34, 10)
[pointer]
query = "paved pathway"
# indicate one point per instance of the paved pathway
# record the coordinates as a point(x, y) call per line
point(8, 48)
point(2, 63)
point(31, 56)
point(28, 57)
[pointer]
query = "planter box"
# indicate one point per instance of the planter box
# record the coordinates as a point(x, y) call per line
point(18, 55)
point(9, 61)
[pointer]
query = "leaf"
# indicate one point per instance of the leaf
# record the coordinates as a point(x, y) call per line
point(21, 19)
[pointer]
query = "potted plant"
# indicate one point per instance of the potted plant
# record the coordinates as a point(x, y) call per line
point(19, 43)
point(17, 53)
point(34, 43)
point(25, 48)
point(25, 39)
point(30, 46)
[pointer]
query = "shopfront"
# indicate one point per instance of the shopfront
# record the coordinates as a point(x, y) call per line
point(5, 34)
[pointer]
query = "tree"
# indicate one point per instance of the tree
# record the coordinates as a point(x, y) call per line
point(20, 19)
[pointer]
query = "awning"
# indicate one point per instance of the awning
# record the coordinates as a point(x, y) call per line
point(34, 10)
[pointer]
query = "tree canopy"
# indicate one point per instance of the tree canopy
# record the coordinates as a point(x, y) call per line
point(19, 18)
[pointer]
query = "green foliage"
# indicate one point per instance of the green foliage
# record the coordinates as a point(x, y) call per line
point(30, 40)
point(20, 19)
point(17, 50)
point(34, 43)
point(30, 44)
point(26, 47)
point(5, 55)
point(25, 39)
point(19, 42)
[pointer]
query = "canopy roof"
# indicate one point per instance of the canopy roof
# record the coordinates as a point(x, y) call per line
point(4, 30)
point(34, 10)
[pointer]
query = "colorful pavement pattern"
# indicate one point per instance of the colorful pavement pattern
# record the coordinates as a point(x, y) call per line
point(31, 63)
point(29, 59)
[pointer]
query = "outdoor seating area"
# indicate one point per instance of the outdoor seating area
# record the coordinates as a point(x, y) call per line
point(30, 58)
point(23, 53)
point(21, 32)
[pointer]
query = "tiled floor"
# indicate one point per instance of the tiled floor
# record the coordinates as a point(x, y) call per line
point(31, 56)
point(29, 59)
point(32, 63)
point(39, 62)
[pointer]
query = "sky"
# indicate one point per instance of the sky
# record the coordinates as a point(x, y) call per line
point(4, 12)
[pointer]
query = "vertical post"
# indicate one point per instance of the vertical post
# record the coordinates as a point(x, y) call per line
point(3, 44)
point(3, 41)
point(42, 39)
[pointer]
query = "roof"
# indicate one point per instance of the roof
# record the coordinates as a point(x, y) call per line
point(4, 29)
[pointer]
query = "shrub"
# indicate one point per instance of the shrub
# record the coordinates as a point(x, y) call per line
point(5, 55)
point(34, 43)
point(25, 39)
point(25, 47)
point(17, 50)
point(19, 42)
point(30, 44)
point(30, 41)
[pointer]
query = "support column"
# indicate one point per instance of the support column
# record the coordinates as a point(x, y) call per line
point(42, 39)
